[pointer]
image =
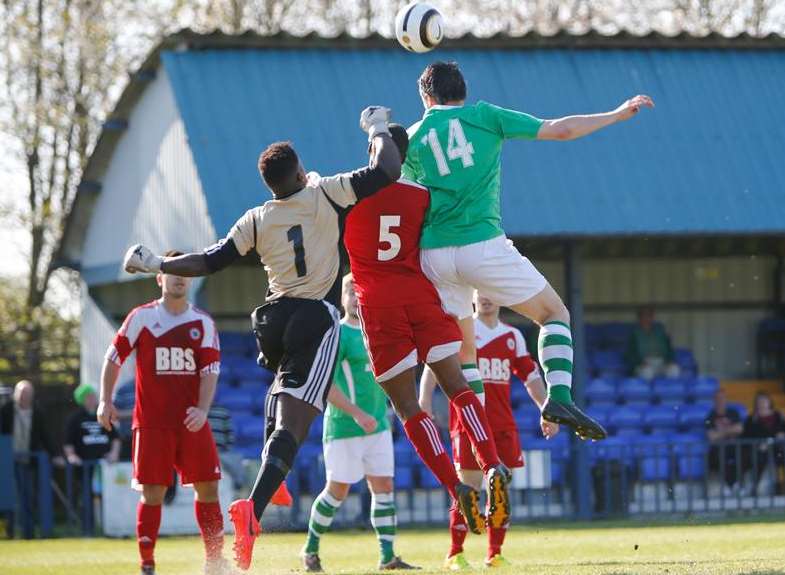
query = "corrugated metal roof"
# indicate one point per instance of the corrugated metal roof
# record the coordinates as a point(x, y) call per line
point(710, 159)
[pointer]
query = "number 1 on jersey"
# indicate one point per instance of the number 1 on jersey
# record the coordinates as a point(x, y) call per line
point(295, 235)
point(457, 147)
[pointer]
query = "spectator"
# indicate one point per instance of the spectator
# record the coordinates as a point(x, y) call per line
point(724, 425)
point(124, 400)
point(22, 419)
point(767, 425)
point(220, 421)
point(649, 351)
point(85, 438)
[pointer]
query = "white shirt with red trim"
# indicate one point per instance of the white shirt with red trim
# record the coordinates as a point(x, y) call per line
point(501, 352)
point(172, 354)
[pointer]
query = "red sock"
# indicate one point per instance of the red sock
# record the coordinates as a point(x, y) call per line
point(211, 524)
point(495, 540)
point(424, 435)
point(458, 531)
point(472, 417)
point(148, 520)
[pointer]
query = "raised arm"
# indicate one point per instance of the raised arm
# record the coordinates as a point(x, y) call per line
point(573, 127)
point(139, 258)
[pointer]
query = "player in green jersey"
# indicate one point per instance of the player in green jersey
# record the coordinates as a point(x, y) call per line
point(455, 151)
point(357, 443)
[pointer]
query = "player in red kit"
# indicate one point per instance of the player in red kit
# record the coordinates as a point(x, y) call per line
point(404, 324)
point(177, 365)
point(501, 352)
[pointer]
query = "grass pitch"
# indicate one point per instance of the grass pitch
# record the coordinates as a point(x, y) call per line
point(597, 549)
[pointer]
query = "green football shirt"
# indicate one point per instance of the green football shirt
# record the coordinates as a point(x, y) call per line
point(455, 151)
point(354, 377)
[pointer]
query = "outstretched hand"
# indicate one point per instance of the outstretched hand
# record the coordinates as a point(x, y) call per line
point(632, 106)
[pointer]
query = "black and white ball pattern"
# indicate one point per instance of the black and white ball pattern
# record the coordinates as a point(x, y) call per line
point(419, 27)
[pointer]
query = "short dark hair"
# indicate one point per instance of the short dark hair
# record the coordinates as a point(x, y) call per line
point(278, 163)
point(172, 253)
point(401, 139)
point(443, 82)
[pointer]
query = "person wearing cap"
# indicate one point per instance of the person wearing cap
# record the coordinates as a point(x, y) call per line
point(85, 437)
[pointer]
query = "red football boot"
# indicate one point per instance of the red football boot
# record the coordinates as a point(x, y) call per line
point(246, 530)
point(282, 496)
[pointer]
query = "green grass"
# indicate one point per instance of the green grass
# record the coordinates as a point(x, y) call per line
point(747, 548)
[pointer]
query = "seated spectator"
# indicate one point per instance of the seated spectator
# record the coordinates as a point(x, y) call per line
point(22, 419)
point(220, 421)
point(723, 425)
point(649, 351)
point(766, 424)
point(85, 438)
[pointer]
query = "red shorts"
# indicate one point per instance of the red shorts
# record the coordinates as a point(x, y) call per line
point(398, 338)
point(158, 452)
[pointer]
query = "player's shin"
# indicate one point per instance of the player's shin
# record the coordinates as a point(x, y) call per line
point(384, 521)
point(211, 526)
point(496, 540)
point(323, 511)
point(277, 460)
point(148, 521)
point(472, 416)
point(555, 347)
point(458, 531)
point(424, 436)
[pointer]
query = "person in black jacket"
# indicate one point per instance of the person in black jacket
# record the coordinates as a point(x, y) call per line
point(22, 419)
point(767, 425)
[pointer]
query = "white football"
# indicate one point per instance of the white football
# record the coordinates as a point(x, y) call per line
point(419, 27)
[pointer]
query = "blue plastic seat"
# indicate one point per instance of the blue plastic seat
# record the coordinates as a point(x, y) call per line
point(250, 428)
point(235, 399)
point(601, 392)
point(602, 414)
point(236, 343)
point(315, 431)
point(615, 335)
point(703, 388)
point(404, 477)
point(427, 479)
point(635, 391)
point(693, 417)
point(528, 419)
point(404, 453)
point(690, 451)
point(661, 418)
point(614, 447)
point(627, 420)
point(608, 363)
point(670, 391)
point(685, 360)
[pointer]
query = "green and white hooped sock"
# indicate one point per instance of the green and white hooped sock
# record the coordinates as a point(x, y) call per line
point(472, 376)
point(555, 346)
point(322, 515)
point(384, 521)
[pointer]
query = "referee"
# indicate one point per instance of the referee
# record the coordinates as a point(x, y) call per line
point(297, 236)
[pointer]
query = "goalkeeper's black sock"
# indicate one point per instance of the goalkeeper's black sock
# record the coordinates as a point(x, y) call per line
point(277, 460)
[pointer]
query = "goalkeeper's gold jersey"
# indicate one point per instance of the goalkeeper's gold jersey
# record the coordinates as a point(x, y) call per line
point(297, 238)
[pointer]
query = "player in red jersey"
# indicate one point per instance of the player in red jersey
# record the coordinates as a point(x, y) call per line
point(404, 324)
point(177, 365)
point(501, 352)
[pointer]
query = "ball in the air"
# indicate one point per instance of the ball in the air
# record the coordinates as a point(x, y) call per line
point(419, 27)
